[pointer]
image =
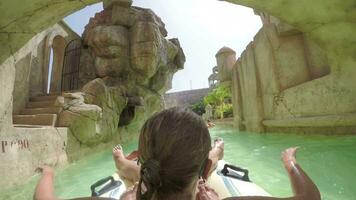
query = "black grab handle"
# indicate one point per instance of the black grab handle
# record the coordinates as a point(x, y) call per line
point(225, 172)
point(100, 183)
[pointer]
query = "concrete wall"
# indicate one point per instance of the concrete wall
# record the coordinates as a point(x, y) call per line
point(185, 98)
point(283, 82)
point(25, 149)
point(22, 75)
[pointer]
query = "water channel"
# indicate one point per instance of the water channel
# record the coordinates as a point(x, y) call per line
point(329, 160)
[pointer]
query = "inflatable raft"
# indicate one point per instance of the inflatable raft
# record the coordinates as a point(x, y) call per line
point(227, 180)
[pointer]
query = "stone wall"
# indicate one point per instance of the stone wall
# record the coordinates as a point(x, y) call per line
point(21, 76)
point(23, 149)
point(185, 98)
point(284, 82)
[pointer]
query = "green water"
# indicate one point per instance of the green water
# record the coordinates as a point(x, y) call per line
point(329, 160)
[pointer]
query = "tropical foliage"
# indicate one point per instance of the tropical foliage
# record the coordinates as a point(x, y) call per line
point(199, 108)
point(220, 100)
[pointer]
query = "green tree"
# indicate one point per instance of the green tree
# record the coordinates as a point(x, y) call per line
point(198, 108)
point(220, 99)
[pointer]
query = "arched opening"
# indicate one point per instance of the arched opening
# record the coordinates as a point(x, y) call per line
point(71, 65)
point(50, 68)
point(56, 65)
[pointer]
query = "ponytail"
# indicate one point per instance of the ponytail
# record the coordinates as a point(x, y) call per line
point(150, 180)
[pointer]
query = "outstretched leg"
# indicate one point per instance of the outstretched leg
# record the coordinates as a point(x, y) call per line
point(216, 154)
point(128, 170)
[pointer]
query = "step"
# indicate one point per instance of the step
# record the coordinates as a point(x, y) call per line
point(40, 119)
point(44, 98)
point(34, 111)
point(40, 104)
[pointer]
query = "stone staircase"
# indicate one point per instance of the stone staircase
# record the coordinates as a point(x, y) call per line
point(40, 111)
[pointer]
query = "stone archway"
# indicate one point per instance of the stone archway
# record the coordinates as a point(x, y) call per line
point(53, 62)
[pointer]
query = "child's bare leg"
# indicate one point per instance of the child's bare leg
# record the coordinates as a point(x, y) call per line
point(216, 154)
point(127, 169)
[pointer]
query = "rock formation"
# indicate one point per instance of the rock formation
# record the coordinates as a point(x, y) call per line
point(125, 48)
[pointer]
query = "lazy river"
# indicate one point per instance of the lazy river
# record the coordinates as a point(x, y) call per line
point(329, 160)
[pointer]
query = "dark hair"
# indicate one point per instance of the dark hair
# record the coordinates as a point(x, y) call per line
point(174, 145)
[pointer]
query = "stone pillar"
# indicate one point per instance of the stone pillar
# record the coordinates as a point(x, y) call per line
point(237, 98)
point(226, 59)
point(251, 92)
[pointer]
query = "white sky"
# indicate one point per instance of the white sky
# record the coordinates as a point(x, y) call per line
point(202, 26)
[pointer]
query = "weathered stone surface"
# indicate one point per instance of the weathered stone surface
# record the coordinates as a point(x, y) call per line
point(21, 91)
point(172, 49)
point(144, 32)
point(81, 118)
point(124, 16)
point(111, 67)
point(111, 99)
point(179, 60)
point(148, 49)
point(332, 29)
point(162, 80)
point(42, 14)
point(283, 82)
point(108, 41)
point(148, 15)
point(146, 65)
point(225, 59)
point(32, 147)
point(86, 67)
point(109, 36)
point(144, 58)
point(110, 3)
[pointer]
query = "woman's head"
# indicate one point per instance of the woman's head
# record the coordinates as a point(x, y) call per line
point(173, 146)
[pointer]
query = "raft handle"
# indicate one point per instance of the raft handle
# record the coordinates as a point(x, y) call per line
point(225, 171)
point(106, 188)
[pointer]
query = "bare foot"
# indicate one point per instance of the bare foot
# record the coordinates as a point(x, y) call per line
point(127, 169)
point(218, 149)
point(118, 156)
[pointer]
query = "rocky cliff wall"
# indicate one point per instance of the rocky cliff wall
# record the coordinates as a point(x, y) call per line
point(127, 64)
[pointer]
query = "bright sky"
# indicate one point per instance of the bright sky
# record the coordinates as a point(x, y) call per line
point(202, 26)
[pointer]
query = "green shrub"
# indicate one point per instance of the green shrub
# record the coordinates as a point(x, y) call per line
point(220, 99)
point(198, 108)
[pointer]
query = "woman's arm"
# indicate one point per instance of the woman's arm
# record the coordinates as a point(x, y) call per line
point(45, 187)
point(303, 187)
